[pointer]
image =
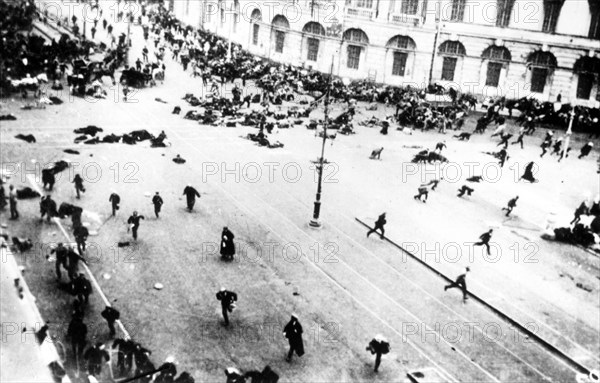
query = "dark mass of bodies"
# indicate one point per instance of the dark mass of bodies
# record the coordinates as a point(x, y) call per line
point(28, 62)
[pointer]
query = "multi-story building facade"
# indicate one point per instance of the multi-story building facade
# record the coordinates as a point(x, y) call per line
point(516, 48)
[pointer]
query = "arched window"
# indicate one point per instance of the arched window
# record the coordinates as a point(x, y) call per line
point(314, 29)
point(544, 59)
point(588, 73)
point(280, 21)
point(541, 65)
point(255, 18)
point(498, 58)
point(401, 42)
point(356, 36)
point(452, 48)
point(497, 53)
point(256, 15)
point(551, 12)
point(280, 25)
point(403, 47)
point(357, 39)
point(451, 52)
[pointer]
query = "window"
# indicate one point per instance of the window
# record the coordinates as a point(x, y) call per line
point(279, 41)
point(409, 7)
point(454, 48)
point(313, 49)
point(364, 4)
point(542, 65)
point(539, 58)
point(504, 9)
point(256, 15)
point(399, 66)
point(584, 85)
point(448, 68)
point(314, 28)
point(458, 10)
point(551, 13)
point(255, 30)
point(281, 22)
point(401, 42)
point(538, 79)
point(493, 74)
point(497, 53)
point(356, 35)
point(353, 56)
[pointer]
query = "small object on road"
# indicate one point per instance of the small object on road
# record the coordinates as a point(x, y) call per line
point(376, 154)
point(178, 160)
point(106, 276)
point(160, 100)
point(583, 287)
point(29, 138)
point(71, 151)
point(158, 286)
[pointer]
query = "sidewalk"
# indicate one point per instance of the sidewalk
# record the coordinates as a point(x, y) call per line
point(22, 359)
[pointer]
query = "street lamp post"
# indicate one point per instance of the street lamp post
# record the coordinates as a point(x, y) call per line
point(435, 40)
point(128, 44)
point(315, 221)
point(229, 38)
point(568, 134)
point(552, 217)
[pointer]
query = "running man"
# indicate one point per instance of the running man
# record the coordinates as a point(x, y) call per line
point(485, 240)
point(511, 205)
point(461, 283)
point(378, 225)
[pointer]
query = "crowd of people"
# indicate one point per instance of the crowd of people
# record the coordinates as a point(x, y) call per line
point(30, 64)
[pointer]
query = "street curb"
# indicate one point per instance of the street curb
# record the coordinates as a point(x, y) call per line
point(11, 266)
